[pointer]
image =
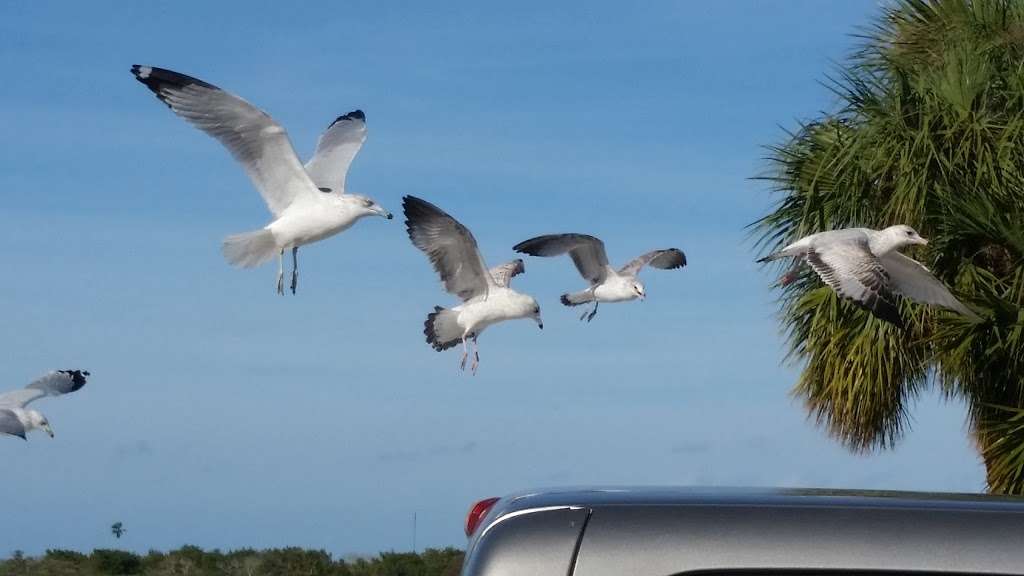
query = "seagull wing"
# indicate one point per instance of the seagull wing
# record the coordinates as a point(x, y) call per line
point(9, 424)
point(450, 246)
point(504, 274)
point(910, 278)
point(337, 146)
point(55, 383)
point(587, 253)
point(856, 274)
point(668, 259)
point(250, 134)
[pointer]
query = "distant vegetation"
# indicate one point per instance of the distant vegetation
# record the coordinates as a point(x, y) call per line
point(194, 561)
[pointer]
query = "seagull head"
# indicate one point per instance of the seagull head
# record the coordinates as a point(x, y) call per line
point(37, 420)
point(535, 313)
point(370, 207)
point(638, 289)
point(904, 235)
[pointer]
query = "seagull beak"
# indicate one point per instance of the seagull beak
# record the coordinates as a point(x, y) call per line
point(48, 430)
point(923, 242)
point(540, 323)
point(384, 213)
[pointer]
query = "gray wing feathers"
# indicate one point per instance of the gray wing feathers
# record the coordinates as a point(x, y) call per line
point(335, 149)
point(55, 383)
point(856, 274)
point(665, 259)
point(912, 279)
point(449, 245)
point(9, 424)
point(587, 253)
point(253, 138)
point(504, 274)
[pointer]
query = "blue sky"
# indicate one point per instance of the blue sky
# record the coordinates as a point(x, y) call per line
point(222, 415)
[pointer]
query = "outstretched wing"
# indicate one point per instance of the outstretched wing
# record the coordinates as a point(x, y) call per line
point(450, 246)
point(910, 278)
point(856, 274)
point(9, 424)
point(55, 383)
point(250, 134)
point(504, 274)
point(587, 253)
point(335, 149)
point(665, 259)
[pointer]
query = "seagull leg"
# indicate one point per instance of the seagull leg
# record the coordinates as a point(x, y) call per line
point(465, 354)
point(476, 355)
point(295, 268)
point(593, 312)
point(280, 273)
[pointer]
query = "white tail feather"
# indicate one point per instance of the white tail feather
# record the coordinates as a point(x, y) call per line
point(577, 298)
point(442, 328)
point(250, 249)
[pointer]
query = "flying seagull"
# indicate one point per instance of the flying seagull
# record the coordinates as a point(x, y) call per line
point(485, 294)
point(864, 266)
point(308, 203)
point(16, 420)
point(606, 283)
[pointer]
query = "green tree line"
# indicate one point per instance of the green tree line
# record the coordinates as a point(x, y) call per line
point(194, 561)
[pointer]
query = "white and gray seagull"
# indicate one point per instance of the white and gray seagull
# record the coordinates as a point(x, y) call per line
point(17, 420)
point(308, 203)
point(606, 283)
point(486, 296)
point(865, 267)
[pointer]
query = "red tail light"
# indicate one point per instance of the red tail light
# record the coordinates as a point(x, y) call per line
point(477, 513)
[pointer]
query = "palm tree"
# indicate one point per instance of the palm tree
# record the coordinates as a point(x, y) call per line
point(117, 529)
point(929, 132)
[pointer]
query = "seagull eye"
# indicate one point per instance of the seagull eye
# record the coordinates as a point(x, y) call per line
point(367, 203)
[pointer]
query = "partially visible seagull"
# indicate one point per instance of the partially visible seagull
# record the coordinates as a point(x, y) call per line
point(308, 203)
point(17, 420)
point(486, 296)
point(864, 266)
point(606, 283)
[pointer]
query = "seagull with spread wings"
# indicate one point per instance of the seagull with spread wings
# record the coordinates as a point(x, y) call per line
point(865, 267)
point(308, 203)
point(606, 283)
point(17, 420)
point(486, 296)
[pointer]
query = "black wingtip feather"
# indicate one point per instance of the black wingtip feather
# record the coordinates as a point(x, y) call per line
point(78, 378)
point(416, 209)
point(353, 115)
point(158, 79)
point(528, 247)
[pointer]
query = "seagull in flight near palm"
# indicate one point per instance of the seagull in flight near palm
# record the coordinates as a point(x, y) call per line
point(17, 420)
point(308, 203)
point(865, 267)
point(606, 283)
point(486, 296)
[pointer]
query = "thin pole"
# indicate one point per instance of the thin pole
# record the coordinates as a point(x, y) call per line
point(414, 532)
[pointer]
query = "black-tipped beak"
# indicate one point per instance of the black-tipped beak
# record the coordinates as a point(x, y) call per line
point(540, 325)
point(390, 216)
